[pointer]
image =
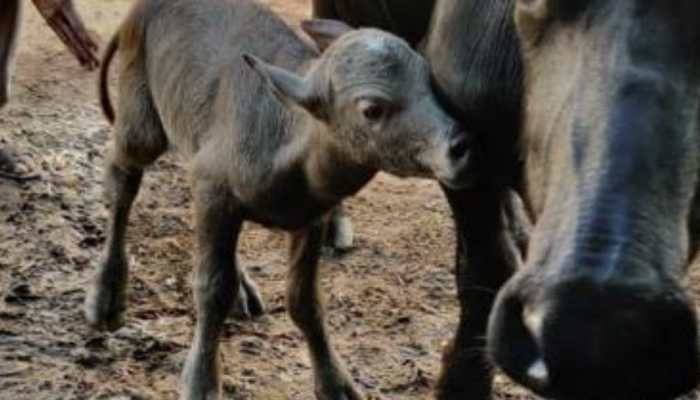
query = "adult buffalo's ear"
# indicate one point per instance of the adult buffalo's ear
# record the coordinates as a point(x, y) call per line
point(324, 31)
point(288, 87)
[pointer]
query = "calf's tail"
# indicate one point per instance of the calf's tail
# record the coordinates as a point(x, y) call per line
point(105, 102)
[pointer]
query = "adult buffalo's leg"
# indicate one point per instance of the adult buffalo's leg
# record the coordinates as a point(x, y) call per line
point(483, 263)
point(331, 380)
point(216, 280)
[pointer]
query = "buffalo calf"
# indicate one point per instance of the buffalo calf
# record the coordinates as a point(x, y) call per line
point(279, 142)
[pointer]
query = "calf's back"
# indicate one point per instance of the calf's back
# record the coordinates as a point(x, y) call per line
point(190, 51)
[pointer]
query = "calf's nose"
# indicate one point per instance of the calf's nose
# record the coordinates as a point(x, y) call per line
point(583, 342)
point(460, 147)
point(457, 164)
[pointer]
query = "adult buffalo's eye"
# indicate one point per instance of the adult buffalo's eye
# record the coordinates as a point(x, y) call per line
point(373, 110)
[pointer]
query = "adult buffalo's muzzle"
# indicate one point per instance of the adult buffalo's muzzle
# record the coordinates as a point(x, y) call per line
point(587, 340)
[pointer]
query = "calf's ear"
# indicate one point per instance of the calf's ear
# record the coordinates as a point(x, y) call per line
point(288, 88)
point(324, 31)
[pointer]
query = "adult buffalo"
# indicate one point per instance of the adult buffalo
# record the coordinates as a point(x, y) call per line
point(606, 124)
point(611, 142)
point(411, 23)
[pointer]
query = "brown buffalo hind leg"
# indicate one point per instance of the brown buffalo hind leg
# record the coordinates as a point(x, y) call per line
point(63, 18)
point(216, 281)
point(331, 380)
point(10, 14)
point(483, 265)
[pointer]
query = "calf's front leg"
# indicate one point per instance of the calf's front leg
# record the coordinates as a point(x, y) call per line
point(331, 380)
point(216, 282)
point(249, 304)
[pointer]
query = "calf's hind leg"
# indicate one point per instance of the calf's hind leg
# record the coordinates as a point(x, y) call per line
point(249, 303)
point(339, 233)
point(106, 300)
point(331, 380)
point(138, 142)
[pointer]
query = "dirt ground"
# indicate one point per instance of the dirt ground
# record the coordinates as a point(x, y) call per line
point(391, 301)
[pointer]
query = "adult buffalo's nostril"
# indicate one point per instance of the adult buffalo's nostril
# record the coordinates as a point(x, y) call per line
point(459, 147)
point(513, 342)
point(538, 374)
point(579, 341)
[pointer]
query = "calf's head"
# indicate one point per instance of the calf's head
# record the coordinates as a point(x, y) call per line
point(371, 95)
point(610, 136)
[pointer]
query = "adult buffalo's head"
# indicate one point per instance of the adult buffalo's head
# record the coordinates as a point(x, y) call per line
point(611, 146)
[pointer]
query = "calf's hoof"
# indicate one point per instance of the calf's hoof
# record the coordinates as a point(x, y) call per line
point(196, 390)
point(7, 164)
point(336, 386)
point(465, 373)
point(345, 393)
point(340, 234)
point(105, 302)
point(4, 90)
point(248, 304)
point(200, 379)
point(104, 309)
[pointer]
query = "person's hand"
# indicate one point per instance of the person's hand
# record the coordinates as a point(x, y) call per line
point(68, 26)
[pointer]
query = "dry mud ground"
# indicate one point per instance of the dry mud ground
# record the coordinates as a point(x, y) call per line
point(391, 301)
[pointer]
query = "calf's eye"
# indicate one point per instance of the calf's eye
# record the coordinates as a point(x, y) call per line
point(372, 110)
